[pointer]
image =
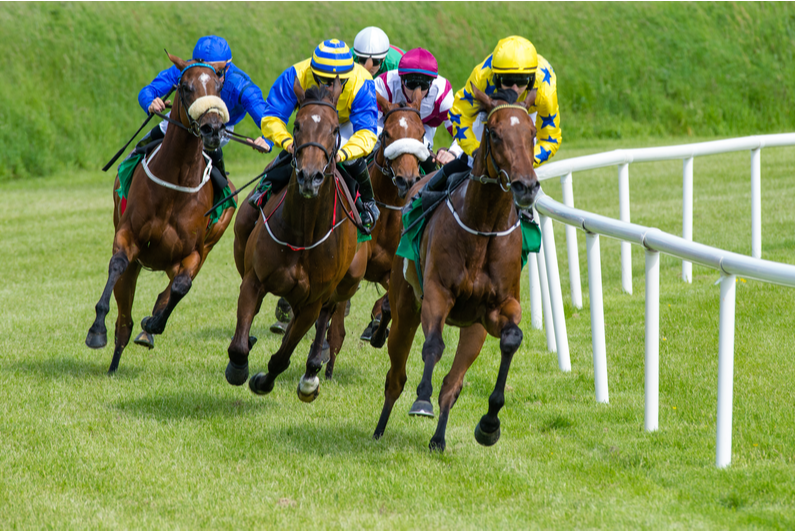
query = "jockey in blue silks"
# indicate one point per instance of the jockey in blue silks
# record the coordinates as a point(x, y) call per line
point(240, 94)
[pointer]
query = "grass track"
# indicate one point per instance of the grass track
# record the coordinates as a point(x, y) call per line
point(168, 443)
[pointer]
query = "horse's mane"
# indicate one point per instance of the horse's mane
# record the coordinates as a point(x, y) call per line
point(318, 93)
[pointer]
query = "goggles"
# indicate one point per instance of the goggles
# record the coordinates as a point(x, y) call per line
point(327, 81)
point(412, 81)
point(509, 80)
point(376, 62)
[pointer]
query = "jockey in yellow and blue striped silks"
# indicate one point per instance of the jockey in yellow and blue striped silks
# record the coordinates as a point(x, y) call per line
point(512, 58)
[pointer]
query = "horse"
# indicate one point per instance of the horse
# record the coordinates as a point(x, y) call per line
point(301, 250)
point(394, 170)
point(470, 262)
point(163, 227)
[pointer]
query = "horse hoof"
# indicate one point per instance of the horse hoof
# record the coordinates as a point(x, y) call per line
point(145, 339)
point(367, 335)
point(486, 439)
point(236, 374)
point(437, 446)
point(378, 342)
point(96, 340)
point(421, 408)
point(259, 384)
point(308, 389)
point(279, 328)
point(252, 340)
point(144, 322)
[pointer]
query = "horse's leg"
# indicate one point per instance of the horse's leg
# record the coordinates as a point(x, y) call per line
point(124, 292)
point(382, 331)
point(407, 319)
point(218, 228)
point(487, 432)
point(303, 320)
point(470, 341)
point(123, 253)
point(336, 336)
point(180, 285)
point(309, 384)
point(375, 320)
point(248, 304)
point(435, 308)
point(246, 218)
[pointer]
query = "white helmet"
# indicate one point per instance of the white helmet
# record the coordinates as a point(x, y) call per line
point(371, 42)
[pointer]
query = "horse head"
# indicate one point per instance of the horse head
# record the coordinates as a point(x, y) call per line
point(508, 144)
point(402, 141)
point(199, 102)
point(315, 135)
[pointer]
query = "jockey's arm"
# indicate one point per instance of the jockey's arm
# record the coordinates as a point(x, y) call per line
point(159, 87)
point(548, 135)
point(251, 98)
point(465, 111)
point(364, 118)
point(278, 108)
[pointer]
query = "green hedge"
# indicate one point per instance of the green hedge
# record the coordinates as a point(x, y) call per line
point(72, 72)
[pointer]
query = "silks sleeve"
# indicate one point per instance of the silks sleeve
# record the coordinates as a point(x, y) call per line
point(279, 107)
point(465, 111)
point(548, 134)
point(251, 98)
point(364, 118)
point(159, 87)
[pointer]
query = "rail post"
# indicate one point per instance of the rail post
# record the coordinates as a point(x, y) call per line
point(652, 365)
point(756, 203)
point(556, 298)
point(626, 247)
point(723, 450)
point(687, 214)
point(597, 318)
point(571, 245)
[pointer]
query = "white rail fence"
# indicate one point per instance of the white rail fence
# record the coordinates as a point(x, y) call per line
point(545, 278)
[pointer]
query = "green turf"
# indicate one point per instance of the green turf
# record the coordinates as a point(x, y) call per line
point(73, 70)
point(167, 443)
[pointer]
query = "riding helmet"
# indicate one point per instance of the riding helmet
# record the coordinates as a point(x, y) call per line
point(332, 58)
point(212, 49)
point(514, 55)
point(371, 42)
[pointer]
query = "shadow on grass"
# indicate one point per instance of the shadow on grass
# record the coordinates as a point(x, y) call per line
point(61, 367)
point(191, 405)
point(353, 437)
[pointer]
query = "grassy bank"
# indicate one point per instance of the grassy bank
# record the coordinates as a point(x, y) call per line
point(73, 70)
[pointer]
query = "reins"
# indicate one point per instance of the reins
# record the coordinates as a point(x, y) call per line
point(489, 156)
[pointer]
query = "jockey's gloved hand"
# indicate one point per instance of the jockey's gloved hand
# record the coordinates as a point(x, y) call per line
point(370, 214)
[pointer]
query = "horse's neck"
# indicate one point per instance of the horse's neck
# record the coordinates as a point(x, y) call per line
point(179, 155)
point(486, 207)
point(308, 220)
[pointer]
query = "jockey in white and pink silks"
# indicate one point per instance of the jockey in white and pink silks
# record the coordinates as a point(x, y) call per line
point(418, 68)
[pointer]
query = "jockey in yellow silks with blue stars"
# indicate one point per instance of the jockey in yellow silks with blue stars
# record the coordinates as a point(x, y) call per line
point(514, 64)
point(356, 107)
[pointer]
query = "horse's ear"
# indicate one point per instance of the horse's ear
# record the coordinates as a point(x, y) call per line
point(179, 63)
point(486, 103)
point(299, 91)
point(383, 103)
point(416, 99)
point(530, 100)
point(336, 90)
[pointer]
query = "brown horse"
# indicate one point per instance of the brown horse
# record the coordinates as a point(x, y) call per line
point(392, 177)
point(301, 249)
point(163, 226)
point(470, 258)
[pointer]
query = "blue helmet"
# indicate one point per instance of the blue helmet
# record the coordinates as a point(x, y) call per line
point(212, 49)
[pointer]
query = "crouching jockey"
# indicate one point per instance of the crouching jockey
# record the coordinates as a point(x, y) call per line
point(239, 93)
point(418, 69)
point(372, 50)
point(357, 111)
point(513, 70)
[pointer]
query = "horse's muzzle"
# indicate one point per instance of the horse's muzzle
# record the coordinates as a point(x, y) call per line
point(404, 184)
point(211, 135)
point(309, 183)
point(524, 196)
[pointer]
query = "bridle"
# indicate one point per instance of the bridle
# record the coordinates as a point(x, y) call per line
point(386, 169)
point(330, 157)
point(489, 156)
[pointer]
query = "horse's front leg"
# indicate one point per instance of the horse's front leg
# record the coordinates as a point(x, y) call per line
point(303, 320)
point(125, 294)
point(505, 323)
point(124, 252)
point(180, 286)
point(436, 305)
point(336, 336)
point(248, 305)
point(309, 385)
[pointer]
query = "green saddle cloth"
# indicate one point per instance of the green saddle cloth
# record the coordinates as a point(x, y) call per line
point(127, 167)
point(409, 246)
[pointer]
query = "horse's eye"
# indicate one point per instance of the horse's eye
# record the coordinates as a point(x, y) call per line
point(494, 136)
point(386, 135)
point(187, 88)
point(219, 73)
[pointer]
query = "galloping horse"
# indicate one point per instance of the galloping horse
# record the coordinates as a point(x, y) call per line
point(301, 249)
point(470, 259)
point(163, 226)
point(394, 170)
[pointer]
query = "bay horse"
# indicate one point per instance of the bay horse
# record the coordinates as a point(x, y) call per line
point(470, 258)
point(163, 227)
point(301, 249)
point(393, 172)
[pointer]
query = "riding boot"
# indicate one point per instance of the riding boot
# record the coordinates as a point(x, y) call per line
point(153, 135)
point(218, 173)
point(368, 210)
point(439, 181)
point(275, 179)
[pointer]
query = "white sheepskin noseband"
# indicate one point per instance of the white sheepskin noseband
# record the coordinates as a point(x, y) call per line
point(207, 104)
point(407, 145)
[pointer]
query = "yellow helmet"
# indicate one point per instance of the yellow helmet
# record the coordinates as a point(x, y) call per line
point(514, 55)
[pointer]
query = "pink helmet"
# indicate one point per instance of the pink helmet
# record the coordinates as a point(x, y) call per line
point(418, 61)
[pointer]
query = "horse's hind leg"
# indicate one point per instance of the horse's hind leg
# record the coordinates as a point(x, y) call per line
point(487, 432)
point(309, 385)
point(179, 287)
point(375, 320)
point(382, 330)
point(125, 294)
point(98, 334)
point(336, 337)
point(470, 341)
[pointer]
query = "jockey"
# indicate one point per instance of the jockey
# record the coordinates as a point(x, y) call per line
point(372, 50)
point(418, 68)
point(239, 93)
point(356, 108)
point(514, 65)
